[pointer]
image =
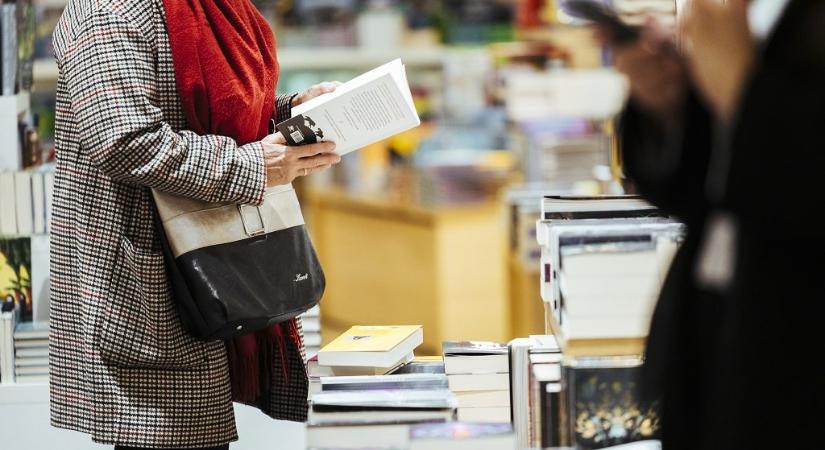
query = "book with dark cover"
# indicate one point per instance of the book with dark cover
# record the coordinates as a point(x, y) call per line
point(300, 130)
point(603, 402)
point(26, 30)
point(551, 410)
point(385, 382)
point(560, 207)
point(8, 48)
point(435, 367)
point(467, 348)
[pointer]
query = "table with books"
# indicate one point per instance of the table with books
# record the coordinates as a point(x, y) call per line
point(603, 260)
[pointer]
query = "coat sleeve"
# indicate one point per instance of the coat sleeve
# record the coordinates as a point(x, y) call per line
point(779, 137)
point(110, 71)
point(283, 107)
point(669, 166)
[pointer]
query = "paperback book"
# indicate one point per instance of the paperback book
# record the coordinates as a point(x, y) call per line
point(367, 109)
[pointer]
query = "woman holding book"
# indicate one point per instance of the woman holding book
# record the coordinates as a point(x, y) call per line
point(725, 132)
point(177, 96)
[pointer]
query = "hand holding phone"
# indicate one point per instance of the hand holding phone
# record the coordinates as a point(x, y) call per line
point(603, 16)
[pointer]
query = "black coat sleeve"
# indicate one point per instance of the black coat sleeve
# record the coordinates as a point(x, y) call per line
point(669, 166)
point(776, 178)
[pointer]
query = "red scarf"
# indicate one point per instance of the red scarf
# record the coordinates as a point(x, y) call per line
point(226, 72)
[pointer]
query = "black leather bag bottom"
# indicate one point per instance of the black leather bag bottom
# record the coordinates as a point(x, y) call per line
point(232, 289)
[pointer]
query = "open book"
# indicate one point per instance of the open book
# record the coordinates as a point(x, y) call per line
point(365, 110)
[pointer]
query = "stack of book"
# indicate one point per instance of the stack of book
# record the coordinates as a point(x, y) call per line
point(536, 384)
point(376, 412)
point(371, 350)
point(31, 352)
point(604, 260)
point(311, 325)
point(479, 374)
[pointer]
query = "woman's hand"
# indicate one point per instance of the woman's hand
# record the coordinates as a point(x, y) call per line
point(658, 81)
point(284, 164)
point(315, 91)
point(720, 50)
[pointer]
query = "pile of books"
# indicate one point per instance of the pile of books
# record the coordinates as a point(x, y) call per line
point(401, 403)
point(479, 376)
point(371, 350)
point(536, 384)
point(311, 326)
point(603, 262)
point(31, 352)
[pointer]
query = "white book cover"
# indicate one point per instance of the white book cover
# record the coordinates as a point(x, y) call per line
point(8, 210)
point(39, 202)
point(367, 109)
point(23, 202)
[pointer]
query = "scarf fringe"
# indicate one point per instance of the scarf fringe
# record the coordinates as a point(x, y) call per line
point(252, 358)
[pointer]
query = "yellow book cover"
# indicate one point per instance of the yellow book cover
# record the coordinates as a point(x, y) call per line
point(371, 338)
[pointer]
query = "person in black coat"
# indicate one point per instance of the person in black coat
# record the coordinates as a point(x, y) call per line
point(726, 131)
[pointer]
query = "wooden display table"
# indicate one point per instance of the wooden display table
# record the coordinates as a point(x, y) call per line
point(391, 263)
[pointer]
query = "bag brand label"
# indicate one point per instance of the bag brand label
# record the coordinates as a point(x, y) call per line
point(301, 277)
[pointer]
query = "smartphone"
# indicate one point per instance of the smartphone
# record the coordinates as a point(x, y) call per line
point(603, 16)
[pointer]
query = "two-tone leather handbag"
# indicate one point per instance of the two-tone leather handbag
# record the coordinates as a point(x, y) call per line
point(236, 269)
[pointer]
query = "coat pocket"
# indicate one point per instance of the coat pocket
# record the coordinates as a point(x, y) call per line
point(140, 324)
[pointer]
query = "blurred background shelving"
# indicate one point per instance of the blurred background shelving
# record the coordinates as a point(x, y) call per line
point(515, 102)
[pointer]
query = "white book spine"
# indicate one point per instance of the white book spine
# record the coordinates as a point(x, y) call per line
point(39, 203)
point(8, 210)
point(23, 203)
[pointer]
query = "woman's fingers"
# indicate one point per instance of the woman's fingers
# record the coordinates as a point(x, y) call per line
point(305, 151)
point(313, 162)
point(276, 139)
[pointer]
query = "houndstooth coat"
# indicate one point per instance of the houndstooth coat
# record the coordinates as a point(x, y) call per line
point(122, 368)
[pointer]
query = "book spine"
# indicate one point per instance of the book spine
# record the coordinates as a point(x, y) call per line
point(23, 203)
point(38, 203)
point(8, 210)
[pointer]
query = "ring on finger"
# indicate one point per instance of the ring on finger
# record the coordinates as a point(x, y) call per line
point(306, 172)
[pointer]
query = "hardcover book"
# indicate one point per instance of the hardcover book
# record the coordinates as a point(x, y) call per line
point(475, 357)
point(604, 406)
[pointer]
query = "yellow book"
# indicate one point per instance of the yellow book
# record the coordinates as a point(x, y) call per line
point(372, 346)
